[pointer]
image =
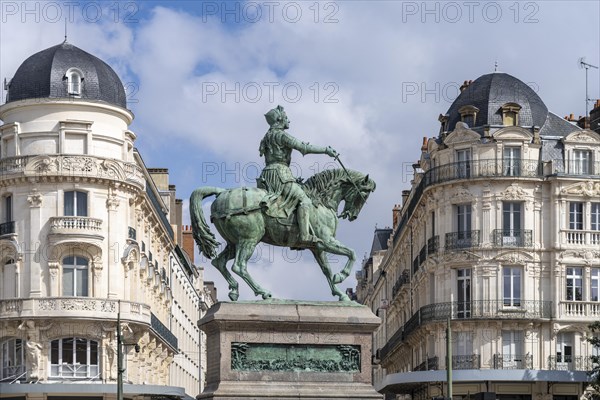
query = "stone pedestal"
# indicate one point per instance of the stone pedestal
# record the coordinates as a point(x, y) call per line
point(278, 349)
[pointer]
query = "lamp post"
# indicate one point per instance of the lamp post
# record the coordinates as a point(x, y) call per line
point(120, 345)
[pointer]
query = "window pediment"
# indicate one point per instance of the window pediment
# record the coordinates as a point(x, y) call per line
point(582, 137)
point(462, 134)
point(513, 133)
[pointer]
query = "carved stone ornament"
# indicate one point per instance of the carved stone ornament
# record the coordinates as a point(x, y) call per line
point(461, 195)
point(513, 192)
point(53, 267)
point(462, 134)
point(34, 199)
point(588, 188)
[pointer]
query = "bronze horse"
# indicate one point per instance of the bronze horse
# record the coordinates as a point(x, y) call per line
point(238, 216)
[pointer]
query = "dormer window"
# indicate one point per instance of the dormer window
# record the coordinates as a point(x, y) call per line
point(468, 115)
point(74, 81)
point(510, 114)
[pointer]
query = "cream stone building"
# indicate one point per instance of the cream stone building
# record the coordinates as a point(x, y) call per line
point(500, 233)
point(87, 231)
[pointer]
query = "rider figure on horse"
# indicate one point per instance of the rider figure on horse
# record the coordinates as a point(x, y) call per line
point(285, 193)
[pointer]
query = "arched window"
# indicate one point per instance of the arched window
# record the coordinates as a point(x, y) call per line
point(74, 81)
point(12, 360)
point(75, 276)
point(510, 114)
point(74, 358)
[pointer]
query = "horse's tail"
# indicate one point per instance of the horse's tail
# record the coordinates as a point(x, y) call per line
point(207, 243)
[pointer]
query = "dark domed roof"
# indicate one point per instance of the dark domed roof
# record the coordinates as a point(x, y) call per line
point(43, 75)
point(490, 92)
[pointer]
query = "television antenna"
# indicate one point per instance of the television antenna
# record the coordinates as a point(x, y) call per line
point(582, 64)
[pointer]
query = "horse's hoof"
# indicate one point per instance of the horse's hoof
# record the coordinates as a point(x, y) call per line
point(344, 297)
point(266, 295)
point(338, 278)
point(233, 295)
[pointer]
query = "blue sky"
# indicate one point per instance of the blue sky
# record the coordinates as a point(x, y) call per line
point(366, 77)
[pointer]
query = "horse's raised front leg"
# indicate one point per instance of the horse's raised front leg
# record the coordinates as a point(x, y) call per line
point(220, 263)
point(243, 253)
point(333, 246)
point(321, 258)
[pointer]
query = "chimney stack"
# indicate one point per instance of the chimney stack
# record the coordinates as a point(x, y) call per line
point(188, 241)
point(396, 212)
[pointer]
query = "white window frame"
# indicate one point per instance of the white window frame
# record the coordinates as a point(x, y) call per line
point(594, 284)
point(76, 200)
point(595, 216)
point(513, 349)
point(463, 289)
point(574, 281)
point(62, 369)
point(12, 365)
point(463, 159)
point(512, 279)
point(581, 163)
point(74, 82)
point(512, 161)
point(78, 271)
point(576, 214)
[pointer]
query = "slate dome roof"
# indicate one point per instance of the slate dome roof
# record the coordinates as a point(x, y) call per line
point(43, 76)
point(490, 92)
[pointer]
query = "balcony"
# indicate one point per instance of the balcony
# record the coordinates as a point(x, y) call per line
point(433, 244)
point(462, 240)
point(74, 307)
point(7, 228)
point(165, 334)
point(472, 361)
point(478, 309)
point(580, 237)
point(131, 233)
point(570, 363)
point(402, 280)
point(577, 168)
point(430, 364)
point(579, 310)
point(512, 361)
point(468, 170)
point(483, 169)
point(75, 228)
point(512, 238)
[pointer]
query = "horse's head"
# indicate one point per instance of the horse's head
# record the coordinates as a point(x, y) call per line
point(355, 196)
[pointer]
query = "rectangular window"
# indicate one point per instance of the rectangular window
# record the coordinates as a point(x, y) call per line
point(512, 348)
point(582, 162)
point(576, 215)
point(463, 277)
point(512, 161)
point(595, 217)
point(511, 222)
point(463, 213)
point(512, 286)
point(463, 158)
point(564, 350)
point(75, 204)
point(8, 213)
point(574, 284)
point(594, 283)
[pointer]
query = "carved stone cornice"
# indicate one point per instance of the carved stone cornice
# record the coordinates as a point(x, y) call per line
point(587, 188)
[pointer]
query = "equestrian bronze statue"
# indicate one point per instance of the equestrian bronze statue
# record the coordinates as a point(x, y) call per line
point(281, 210)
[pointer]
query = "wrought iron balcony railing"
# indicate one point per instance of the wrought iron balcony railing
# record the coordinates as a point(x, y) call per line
point(462, 240)
point(513, 361)
point(472, 361)
point(478, 309)
point(163, 331)
point(402, 280)
point(430, 364)
point(396, 339)
point(433, 244)
point(131, 233)
point(469, 169)
point(512, 237)
point(577, 167)
point(570, 363)
point(7, 228)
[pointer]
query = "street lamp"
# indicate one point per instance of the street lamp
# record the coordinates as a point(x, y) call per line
point(120, 344)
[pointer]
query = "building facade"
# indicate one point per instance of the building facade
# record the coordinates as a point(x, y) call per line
point(87, 233)
point(499, 237)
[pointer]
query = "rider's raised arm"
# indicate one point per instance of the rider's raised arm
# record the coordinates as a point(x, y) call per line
point(306, 148)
